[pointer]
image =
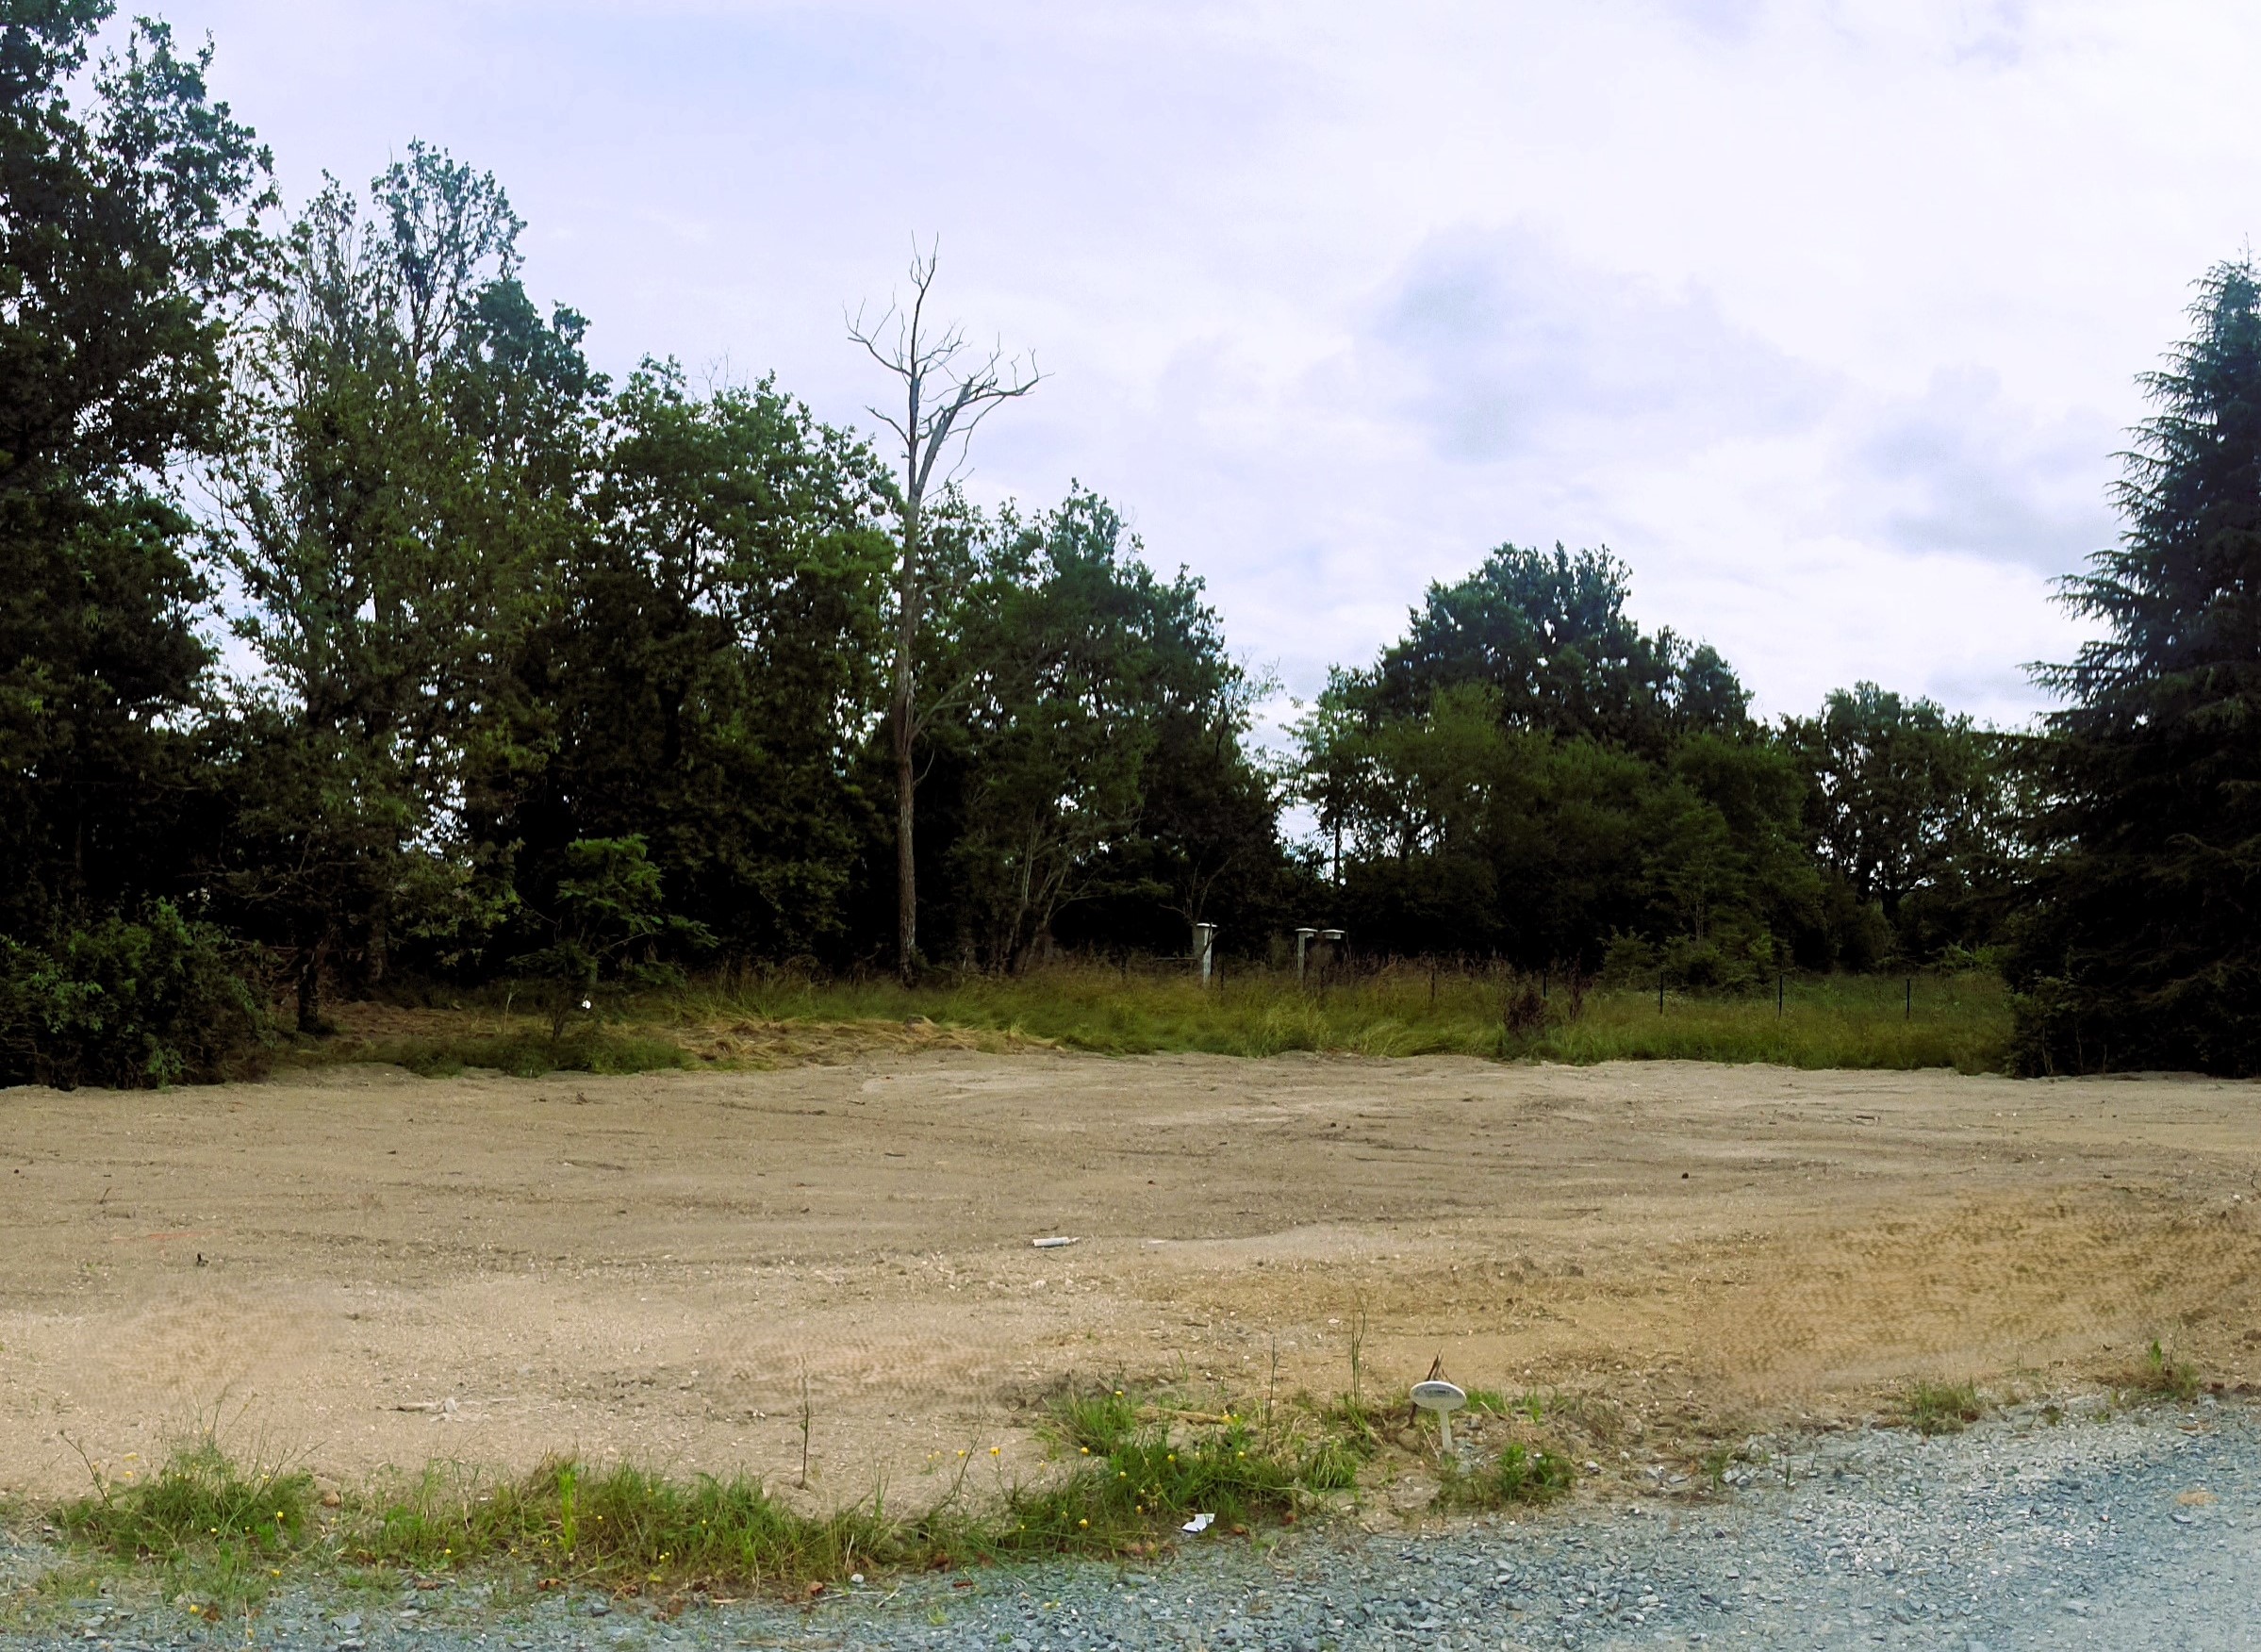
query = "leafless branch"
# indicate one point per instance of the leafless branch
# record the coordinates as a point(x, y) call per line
point(948, 387)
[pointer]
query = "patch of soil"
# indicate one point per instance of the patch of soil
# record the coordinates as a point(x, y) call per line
point(359, 1267)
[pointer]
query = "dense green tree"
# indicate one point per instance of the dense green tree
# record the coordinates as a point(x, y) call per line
point(1463, 834)
point(131, 1002)
point(1077, 668)
point(607, 916)
point(1207, 847)
point(1549, 630)
point(712, 667)
point(1530, 773)
point(1912, 811)
point(405, 472)
point(2142, 949)
point(126, 233)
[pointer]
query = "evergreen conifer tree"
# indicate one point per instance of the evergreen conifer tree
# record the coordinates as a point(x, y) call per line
point(2143, 946)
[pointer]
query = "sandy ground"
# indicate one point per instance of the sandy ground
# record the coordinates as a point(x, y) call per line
point(362, 1267)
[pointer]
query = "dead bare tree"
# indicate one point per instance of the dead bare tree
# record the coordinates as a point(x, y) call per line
point(949, 389)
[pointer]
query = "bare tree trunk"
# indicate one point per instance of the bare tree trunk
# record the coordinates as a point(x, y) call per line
point(310, 986)
point(942, 404)
point(905, 732)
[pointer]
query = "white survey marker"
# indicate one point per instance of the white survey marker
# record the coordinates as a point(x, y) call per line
point(1444, 1399)
point(1054, 1243)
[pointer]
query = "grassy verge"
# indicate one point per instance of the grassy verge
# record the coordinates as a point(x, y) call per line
point(521, 1046)
point(1127, 1471)
point(770, 1019)
point(1408, 1009)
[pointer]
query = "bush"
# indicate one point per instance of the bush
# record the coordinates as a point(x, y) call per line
point(160, 1000)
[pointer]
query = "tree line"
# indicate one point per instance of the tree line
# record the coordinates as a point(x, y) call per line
point(357, 633)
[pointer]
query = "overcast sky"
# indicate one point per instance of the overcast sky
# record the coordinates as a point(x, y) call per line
point(1825, 317)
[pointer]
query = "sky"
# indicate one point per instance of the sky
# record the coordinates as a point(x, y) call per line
point(1826, 318)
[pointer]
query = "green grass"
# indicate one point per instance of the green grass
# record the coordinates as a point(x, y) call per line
point(2160, 1375)
point(1137, 1475)
point(1957, 1021)
point(1129, 1469)
point(1833, 1021)
point(1516, 1477)
point(621, 1527)
point(217, 1531)
point(526, 1052)
point(1941, 1408)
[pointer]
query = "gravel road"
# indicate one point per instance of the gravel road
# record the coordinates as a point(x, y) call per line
point(2128, 1533)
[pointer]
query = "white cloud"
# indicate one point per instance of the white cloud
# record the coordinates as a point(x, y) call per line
point(1825, 316)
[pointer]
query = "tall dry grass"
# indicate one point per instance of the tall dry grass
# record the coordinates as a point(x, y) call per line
point(1409, 1008)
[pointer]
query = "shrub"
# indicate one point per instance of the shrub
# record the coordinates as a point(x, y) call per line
point(128, 1002)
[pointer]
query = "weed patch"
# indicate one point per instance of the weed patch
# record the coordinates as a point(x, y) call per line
point(1518, 1476)
point(223, 1533)
point(1939, 1408)
point(620, 1527)
point(219, 1530)
point(2160, 1375)
point(1142, 1465)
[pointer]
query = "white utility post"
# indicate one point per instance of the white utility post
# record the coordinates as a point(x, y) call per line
point(1205, 950)
point(1444, 1399)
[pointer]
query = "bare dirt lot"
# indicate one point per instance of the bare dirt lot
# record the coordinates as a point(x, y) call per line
point(363, 1268)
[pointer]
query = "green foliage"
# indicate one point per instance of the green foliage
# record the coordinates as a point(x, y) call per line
point(222, 1532)
point(1913, 812)
point(1518, 1476)
point(1093, 727)
point(128, 1002)
point(1096, 1419)
point(526, 1054)
point(1148, 1481)
point(619, 1525)
point(1941, 1408)
point(218, 1529)
point(2139, 951)
point(1548, 634)
point(713, 665)
point(1528, 774)
point(407, 436)
point(1958, 1020)
point(2160, 1374)
point(126, 237)
point(610, 918)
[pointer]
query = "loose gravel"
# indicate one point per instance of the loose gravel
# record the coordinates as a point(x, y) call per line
point(2133, 1531)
